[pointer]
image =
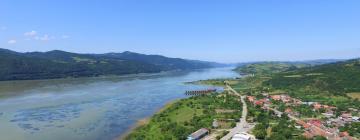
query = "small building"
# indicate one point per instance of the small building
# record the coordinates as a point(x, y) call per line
point(251, 98)
point(241, 136)
point(197, 135)
point(275, 97)
point(259, 102)
point(288, 110)
point(356, 119)
point(317, 106)
point(344, 134)
point(308, 103)
point(265, 94)
point(328, 114)
point(215, 124)
point(316, 122)
point(346, 115)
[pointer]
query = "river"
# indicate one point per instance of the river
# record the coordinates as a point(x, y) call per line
point(100, 108)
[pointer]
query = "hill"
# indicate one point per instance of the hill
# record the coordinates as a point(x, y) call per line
point(268, 68)
point(61, 64)
point(334, 78)
point(161, 61)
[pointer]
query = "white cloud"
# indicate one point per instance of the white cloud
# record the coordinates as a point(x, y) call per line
point(44, 38)
point(30, 34)
point(65, 36)
point(12, 41)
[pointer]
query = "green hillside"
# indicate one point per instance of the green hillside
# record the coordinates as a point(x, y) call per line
point(335, 78)
point(334, 83)
point(268, 68)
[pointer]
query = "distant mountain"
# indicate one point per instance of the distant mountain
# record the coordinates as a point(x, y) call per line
point(161, 61)
point(61, 64)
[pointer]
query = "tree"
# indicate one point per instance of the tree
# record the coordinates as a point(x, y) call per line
point(260, 131)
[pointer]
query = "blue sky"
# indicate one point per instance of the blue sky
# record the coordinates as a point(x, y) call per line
point(221, 30)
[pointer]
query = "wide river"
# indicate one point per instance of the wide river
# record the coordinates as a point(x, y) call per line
point(100, 108)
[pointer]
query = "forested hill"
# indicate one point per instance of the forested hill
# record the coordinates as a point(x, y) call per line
point(335, 78)
point(161, 61)
point(268, 68)
point(61, 64)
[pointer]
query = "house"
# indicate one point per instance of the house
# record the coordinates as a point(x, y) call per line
point(259, 102)
point(328, 114)
point(215, 124)
point(346, 115)
point(275, 97)
point(288, 110)
point(265, 94)
point(317, 106)
point(304, 124)
point(251, 98)
point(316, 122)
point(297, 102)
point(241, 136)
point(344, 134)
point(197, 135)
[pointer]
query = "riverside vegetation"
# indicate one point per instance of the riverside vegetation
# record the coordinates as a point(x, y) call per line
point(188, 115)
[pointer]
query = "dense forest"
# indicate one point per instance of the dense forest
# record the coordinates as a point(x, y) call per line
point(61, 64)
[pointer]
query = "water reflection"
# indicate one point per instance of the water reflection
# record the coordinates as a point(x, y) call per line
point(90, 108)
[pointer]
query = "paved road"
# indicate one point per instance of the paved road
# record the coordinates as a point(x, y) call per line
point(241, 126)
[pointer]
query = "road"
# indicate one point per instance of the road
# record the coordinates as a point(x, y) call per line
point(241, 126)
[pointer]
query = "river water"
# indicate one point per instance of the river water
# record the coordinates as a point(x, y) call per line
point(100, 108)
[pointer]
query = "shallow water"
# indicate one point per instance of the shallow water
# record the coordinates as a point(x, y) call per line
point(99, 108)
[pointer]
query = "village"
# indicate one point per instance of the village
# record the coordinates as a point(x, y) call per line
point(325, 123)
point(318, 120)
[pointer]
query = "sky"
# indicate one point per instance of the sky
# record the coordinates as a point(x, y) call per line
point(213, 30)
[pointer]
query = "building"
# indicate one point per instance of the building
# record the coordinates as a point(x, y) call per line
point(241, 136)
point(316, 122)
point(317, 106)
point(275, 97)
point(215, 124)
point(288, 110)
point(328, 114)
point(197, 135)
point(251, 98)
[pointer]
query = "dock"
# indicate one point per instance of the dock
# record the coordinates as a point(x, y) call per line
point(200, 92)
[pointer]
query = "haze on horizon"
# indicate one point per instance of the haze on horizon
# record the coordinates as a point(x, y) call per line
point(213, 30)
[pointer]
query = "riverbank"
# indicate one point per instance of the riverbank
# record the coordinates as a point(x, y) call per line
point(144, 121)
point(181, 118)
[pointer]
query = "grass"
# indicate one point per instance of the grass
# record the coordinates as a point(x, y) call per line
point(354, 95)
point(177, 120)
point(184, 114)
